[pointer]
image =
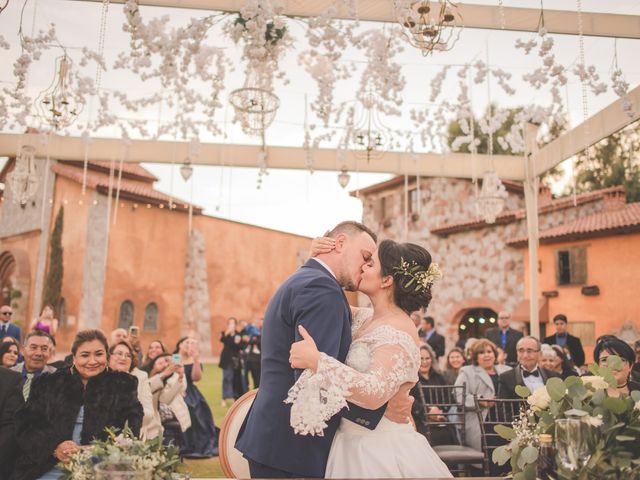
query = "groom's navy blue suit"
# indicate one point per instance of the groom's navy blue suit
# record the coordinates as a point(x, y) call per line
point(311, 297)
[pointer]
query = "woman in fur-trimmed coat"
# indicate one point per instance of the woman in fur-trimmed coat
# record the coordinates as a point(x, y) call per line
point(73, 406)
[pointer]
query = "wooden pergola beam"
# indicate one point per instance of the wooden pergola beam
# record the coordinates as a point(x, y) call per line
point(474, 16)
point(457, 165)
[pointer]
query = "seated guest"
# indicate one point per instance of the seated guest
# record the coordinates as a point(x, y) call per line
point(73, 406)
point(563, 338)
point(432, 426)
point(564, 365)
point(37, 351)
point(527, 373)
point(481, 379)
point(168, 386)
point(121, 360)
point(502, 356)
point(635, 369)
point(156, 347)
point(549, 359)
point(10, 401)
point(455, 361)
point(9, 352)
point(608, 345)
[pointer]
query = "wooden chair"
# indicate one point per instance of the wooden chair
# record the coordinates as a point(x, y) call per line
point(233, 464)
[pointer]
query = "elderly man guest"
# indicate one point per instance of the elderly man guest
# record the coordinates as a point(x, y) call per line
point(563, 338)
point(37, 351)
point(527, 373)
point(505, 337)
point(8, 329)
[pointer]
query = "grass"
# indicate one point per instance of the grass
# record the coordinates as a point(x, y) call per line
point(211, 388)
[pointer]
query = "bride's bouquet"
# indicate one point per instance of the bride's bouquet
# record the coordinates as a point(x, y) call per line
point(123, 448)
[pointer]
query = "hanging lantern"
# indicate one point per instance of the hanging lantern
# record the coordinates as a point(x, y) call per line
point(370, 136)
point(490, 203)
point(344, 177)
point(23, 181)
point(58, 105)
point(186, 170)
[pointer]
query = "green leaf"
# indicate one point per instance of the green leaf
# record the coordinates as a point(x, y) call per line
point(577, 390)
point(529, 454)
point(409, 283)
point(598, 397)
point(614, 362)
point(635, 395)
point(530, 472)
point(625, 438)
point(505, 432)
point(616, 405)
point(501, 455)
point(556, 388)
point(593, 368)
point(572, 380)
point(522, 391)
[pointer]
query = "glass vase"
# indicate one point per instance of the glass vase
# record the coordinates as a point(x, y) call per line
point(573, 443)
point(120, 471)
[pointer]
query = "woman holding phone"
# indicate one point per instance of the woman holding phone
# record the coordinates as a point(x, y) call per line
point(201, 440)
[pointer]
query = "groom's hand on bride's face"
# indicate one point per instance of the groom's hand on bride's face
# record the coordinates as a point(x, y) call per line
point(321, 245)
point(399, 407)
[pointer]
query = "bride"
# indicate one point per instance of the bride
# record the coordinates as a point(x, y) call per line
point(383, 359)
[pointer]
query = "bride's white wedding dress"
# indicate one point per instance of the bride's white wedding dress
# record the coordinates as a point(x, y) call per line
point(380, 360)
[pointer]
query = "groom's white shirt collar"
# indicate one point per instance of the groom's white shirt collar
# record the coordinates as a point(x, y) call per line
point(325, 266)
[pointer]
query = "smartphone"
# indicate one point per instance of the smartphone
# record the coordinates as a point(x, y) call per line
point(177, 359)
point(134, 331)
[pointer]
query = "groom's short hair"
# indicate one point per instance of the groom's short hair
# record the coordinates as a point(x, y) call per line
point(352, 228)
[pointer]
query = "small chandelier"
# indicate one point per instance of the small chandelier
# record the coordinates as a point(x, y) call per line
point(344, 177)
point(23, 181)
point(490, 202)
point(254, 105)
point(429, 25)
point(58, 105)
point(370, 136)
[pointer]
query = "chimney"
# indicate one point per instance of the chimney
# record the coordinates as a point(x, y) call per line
point(614, 199)
point(544, 196)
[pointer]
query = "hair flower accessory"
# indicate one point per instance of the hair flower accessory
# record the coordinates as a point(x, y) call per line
point(418, 276)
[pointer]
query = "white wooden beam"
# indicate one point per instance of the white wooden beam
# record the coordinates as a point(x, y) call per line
point(604, 123)
point(474, 16)
point(457, 165)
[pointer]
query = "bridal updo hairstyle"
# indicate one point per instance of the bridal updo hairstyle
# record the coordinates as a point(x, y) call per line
point(391, 255)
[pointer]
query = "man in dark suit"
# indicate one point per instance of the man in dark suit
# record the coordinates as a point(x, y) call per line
point(428, 334)
point(311, 297)
point(10, 400)
point(8, 329)
point(505, 337)
point(527, 372)
point(565, 339)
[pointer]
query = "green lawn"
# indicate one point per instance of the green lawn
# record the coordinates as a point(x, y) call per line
point(211, 388)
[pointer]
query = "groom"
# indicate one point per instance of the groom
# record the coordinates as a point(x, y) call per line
point(312, 297)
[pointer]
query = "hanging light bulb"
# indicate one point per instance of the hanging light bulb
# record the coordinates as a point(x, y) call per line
point(186, 170)
point(23, 181)
point(344, 177)
point(58, 105)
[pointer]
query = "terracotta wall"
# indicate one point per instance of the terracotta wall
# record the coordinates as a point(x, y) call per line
point(613, 263)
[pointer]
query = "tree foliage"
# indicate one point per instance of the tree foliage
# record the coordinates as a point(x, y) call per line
point(53, 285)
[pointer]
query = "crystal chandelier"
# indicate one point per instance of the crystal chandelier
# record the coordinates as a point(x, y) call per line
point(58, 105)
point(254, 104)
point(370, 136)
point(429, 25)
point(23, 181)
point(490, 202)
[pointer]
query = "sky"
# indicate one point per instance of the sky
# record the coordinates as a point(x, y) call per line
point(298, 201)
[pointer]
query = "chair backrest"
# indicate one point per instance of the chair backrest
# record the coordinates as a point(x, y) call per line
point(450, 400)
point(501, 412)
point(233, 464)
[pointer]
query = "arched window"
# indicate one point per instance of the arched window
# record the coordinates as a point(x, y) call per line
point(125, 319)
point(151, 317)
point(476, 322)
point(62, 313)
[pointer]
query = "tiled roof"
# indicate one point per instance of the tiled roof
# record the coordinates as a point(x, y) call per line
point(129, 189)
point(129, 170)
point(625, 219)
point(513, 215)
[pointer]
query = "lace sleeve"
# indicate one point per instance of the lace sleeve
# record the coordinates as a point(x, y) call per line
point(316, 397)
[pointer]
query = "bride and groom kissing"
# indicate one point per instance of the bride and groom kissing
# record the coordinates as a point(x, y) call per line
point(333, 399)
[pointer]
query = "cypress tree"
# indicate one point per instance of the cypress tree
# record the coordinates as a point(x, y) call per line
point(53, 285)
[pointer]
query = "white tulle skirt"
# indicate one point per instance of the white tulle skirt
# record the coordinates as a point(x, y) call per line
point(392, 450)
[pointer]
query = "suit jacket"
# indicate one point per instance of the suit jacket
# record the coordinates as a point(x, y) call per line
point(10, 401)
point(311, 297)
point(494, 334)
point(478, 383)
point(573, 344)
point(12, 331)
point(509, 380)
point(437, 343)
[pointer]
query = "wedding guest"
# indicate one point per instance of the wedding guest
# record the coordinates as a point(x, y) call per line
point(155, 348)
point(201, 440)
point(121, 357)
point(564, 366)
point(481, 379)
point(253, 353)
point(635, 369)
point(72, 407)
point(549, 359)
point(9, 352)
point(433, 426)
point(168, 385)
point(563, 338)
point(502, 356)
point(8, 329)
point(36, 351)
point(455, 361)
point(427, 333)
point(230, 362)
point(608, 345)
point(505, 337)
point(527, 373)
point(10, 401)
point(46, 322)
point(468, 349)
point(118, 335)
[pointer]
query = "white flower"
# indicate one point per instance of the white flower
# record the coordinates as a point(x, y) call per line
point(123, 441)
point(595, 381)
point(637, 405)
point(540, 399)
point(593, 421)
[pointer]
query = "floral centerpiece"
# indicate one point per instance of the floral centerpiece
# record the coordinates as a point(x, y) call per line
point(123, 448)
point(612, 420)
